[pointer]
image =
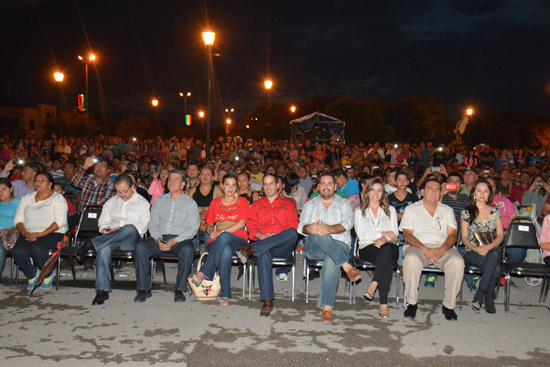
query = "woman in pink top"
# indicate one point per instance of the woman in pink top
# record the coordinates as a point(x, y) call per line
point(545, 240)
point(507, 212)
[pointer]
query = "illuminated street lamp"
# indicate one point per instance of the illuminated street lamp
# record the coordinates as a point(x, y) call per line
point(227, 123)
point(155, 102)
point(292, 109)
point(208, 38)
point(469, 111)
point(201, 114)
point(91, 58)
point(58, 77)
point(185, 96)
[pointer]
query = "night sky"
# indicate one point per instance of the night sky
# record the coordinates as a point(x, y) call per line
point(491, 54)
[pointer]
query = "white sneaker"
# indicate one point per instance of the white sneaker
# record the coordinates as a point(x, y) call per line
point(283, 277)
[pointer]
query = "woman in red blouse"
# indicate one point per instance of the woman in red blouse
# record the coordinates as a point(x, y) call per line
point(225, 222)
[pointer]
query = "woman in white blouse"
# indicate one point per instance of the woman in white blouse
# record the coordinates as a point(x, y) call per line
point(41, 218)
point(376, 228)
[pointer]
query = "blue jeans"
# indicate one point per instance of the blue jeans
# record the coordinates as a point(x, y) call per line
point(147, 248)
point(219, 256)
point(279, 245)
point(492, 267)
point(124, 238)
point(334, 254)
point(38, 250)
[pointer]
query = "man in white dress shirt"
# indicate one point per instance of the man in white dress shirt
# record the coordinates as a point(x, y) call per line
point(430, 232)
point(122, 223)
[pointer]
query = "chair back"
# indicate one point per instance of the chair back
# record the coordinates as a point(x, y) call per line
point(522, 232)
point(90, 218)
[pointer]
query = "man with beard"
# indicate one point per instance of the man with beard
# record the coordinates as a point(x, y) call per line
point(326, 221)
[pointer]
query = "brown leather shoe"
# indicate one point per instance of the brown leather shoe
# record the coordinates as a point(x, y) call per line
point(267, 307)
point(245, 252)
point(353, 274)
point(327, 317)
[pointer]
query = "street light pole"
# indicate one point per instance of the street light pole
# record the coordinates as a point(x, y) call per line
point(91, 58)
point(208, 38)
point(268, 84)
point(58, 76)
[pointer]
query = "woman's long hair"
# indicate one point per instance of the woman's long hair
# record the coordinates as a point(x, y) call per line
point(384, 202)
point(472, 209)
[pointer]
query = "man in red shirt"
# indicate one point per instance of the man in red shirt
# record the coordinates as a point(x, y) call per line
point(272, 223)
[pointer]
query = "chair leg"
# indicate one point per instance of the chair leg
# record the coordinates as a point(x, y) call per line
point(546, 289)
point(151, 271)
point(397, 281)
point(307, 281)
point(58, 272)
point(507, 293)
point(163, 271)
point(293, 279)
point(250, 273)
point(460, 296)
point(112, 271)
point(11, 273)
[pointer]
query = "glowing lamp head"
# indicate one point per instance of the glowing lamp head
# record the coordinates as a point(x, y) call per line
point(58, 76)
point(201, 114)
point(469, 111)
point(155, 102)
point(92, 57)
point(268, 84)
point(228, 121)
point(293, 109)
point(208, 38)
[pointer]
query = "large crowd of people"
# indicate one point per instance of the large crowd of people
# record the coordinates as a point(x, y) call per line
point(406, 205)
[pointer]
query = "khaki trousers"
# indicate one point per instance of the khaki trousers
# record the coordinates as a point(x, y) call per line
point(451, 263)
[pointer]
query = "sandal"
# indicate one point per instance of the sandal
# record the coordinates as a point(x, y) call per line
point(224, 301)
point(383, 313)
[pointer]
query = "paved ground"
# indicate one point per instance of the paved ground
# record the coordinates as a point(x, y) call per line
point(61, 328)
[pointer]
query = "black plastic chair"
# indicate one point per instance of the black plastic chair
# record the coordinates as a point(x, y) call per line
point(522, 232)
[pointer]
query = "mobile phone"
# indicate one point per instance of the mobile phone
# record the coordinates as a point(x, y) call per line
point(95, 159)
point(436, 169)
point(451, 187)
point(486, 171)
point(20, 162)
point(539, 183)
point(375, 167)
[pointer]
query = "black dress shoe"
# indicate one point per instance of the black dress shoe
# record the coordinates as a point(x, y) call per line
point(100, 297)
point(410, 311)
point(142, 295)
point(449, 314)
point(267, 308)
point(179, 296)
point(490, 305)
point(82, 251)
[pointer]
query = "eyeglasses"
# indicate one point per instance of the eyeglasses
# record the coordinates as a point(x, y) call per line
point(120, 192)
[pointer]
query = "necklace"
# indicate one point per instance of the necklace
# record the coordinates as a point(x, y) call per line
point(375, 220)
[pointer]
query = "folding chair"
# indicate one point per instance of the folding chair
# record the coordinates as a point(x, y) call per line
point(522, 233)
point(276, 261)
